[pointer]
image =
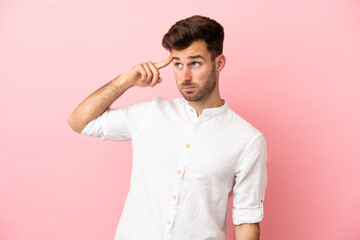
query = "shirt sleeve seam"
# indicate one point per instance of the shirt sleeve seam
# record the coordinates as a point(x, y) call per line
point(246, 149)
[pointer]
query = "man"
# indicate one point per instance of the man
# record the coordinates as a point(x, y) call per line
point(189, 154)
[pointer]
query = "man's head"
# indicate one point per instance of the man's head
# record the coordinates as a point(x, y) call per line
point(196, 45)
point(184, 32)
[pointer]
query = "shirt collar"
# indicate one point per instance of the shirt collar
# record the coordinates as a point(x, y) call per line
point(207, 111)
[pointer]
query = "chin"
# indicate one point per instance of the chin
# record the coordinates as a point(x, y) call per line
point(191, 98)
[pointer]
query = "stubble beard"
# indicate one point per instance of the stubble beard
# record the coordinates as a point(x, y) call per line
point(207, 89)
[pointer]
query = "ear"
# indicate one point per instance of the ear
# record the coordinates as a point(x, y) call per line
point(220, 62)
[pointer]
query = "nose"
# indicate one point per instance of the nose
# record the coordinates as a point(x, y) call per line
point(186, 74)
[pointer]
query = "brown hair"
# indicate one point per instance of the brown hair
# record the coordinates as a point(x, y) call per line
point(184, 32)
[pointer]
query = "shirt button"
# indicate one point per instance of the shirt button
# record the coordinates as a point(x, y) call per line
point(179, 172)
point(188, 145)
point(174, 197)
point(168, 222)
point(191, 110)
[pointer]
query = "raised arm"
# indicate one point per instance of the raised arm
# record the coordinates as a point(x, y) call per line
point(142, 75)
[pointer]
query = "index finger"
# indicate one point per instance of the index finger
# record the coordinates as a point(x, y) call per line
point(163, 63)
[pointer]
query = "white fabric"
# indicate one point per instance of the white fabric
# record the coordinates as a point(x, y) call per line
point(185, 168)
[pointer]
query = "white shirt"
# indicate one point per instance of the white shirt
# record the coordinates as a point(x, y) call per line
point(185, 168)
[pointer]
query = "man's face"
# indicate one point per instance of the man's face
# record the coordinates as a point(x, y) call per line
point(194, 71)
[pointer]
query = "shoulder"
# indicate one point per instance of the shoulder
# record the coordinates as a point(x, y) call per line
point(164, 103)
point(161, 100)
point(241, 127)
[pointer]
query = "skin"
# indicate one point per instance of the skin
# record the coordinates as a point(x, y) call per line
point(247, 231)
point(197, 78)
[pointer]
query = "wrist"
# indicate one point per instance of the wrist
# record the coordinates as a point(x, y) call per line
point(121, 83)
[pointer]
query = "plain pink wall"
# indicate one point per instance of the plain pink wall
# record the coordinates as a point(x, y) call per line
point(292, 71)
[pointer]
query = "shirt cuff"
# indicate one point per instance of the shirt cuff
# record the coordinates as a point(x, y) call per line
point(247, 215)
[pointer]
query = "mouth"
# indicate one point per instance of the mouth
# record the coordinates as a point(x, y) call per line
point(188, 88)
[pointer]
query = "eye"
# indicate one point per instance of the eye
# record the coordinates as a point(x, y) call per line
point(195, 64)
point(178, 65)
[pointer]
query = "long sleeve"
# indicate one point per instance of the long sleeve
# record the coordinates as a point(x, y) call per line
point(250, 183)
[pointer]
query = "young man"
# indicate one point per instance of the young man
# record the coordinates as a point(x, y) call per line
point(189, 154)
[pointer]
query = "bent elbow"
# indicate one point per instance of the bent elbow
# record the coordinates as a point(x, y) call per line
point(75, 125)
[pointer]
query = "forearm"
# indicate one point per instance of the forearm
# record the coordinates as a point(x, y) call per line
point(143, 75)
point(97, 103)
point(247, 231)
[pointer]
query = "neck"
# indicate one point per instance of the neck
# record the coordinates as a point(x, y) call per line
point(211, 101)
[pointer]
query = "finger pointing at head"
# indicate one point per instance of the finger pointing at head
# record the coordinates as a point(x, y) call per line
point(163, 63)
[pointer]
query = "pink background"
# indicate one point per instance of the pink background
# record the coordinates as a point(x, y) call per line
point(292, 71)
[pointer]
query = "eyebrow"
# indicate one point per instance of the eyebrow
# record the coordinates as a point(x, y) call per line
point(190, 57)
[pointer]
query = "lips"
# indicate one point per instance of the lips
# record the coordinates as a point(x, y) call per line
point(188, 88)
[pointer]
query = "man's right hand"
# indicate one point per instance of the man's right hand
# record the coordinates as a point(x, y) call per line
point(145, 74)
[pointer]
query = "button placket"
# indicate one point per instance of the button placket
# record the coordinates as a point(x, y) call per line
point(175, 198)
point(169, 223)
point(180, 171)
